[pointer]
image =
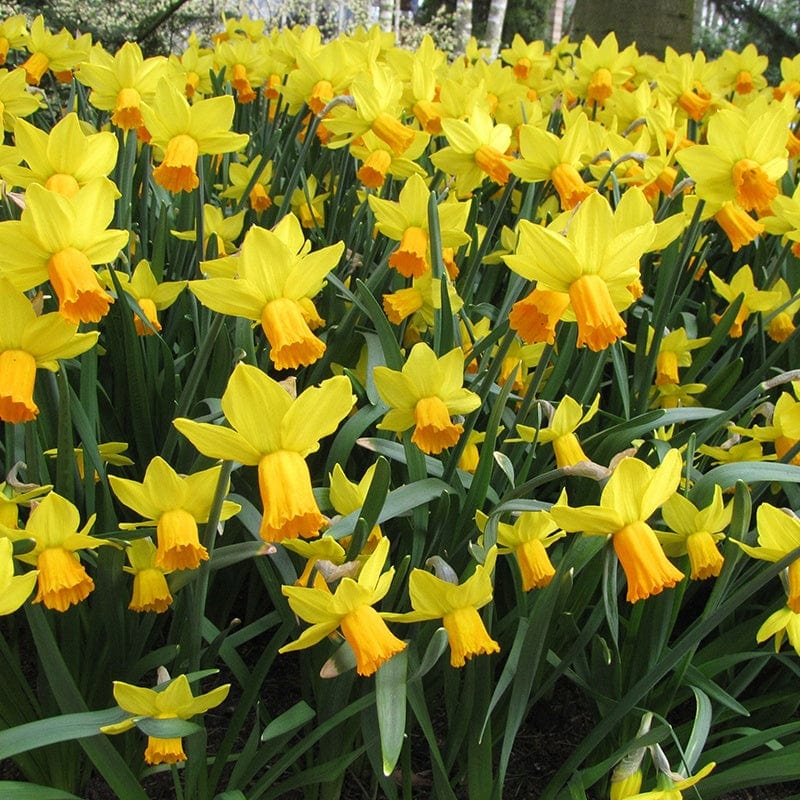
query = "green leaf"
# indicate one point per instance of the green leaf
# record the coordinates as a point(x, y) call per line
point(749, 472)
point(390, 700)
point(167, 728)
point(65, 728)
point(288, 722)
point(700, 728)
point(17, 790)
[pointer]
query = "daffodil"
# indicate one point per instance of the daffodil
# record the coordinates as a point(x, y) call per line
point(457, 606)
point(306, 204)
point(674, 351)
point(15, 99)
point(180, 133)
point(175, 505)
point(325, 548)
point(107, 453)
point(13, 34)
point(14, 589)
point(695, 531)
point(277, 277)
point(150, 295)
point(420, 301)
point(245, 67)
point(28, 341)
point(633, 493)
point(379, 160)
point(754, 299)
point(222, 229)
point(742, 71)
point(673, 790)
point(781, 624)
point(376, 95)
point(743, 160)
point(59, 239)
point(275, 432)
point(350, 608)
point(783, 428)
point(193, 68)
point(173, 700)
point(778, 535)
point(406, 221)
point(594, 262)
point(560, 431)
point(685, 79)
point(347, 496)
point(528, 538)
point(602, 68)
point(56, 52)
point(53, 526)
point(559, 159)
point(150, 589)
point(476, 148)
point(122, 82)
point(239, 178)
point(63, 160)
point(780, 318)
point(424, 395)
point(14, 494)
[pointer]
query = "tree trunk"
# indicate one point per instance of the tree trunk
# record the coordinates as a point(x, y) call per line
point(652, 26)
point(555, 21)
point(463, 23)
point(386, 15)
point(494, 26)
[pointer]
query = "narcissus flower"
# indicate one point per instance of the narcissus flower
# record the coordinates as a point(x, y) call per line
point(13, 495)
point(217, 227)
point(63, 160)
point(28, 341)
point(695, 531)
point(150, 590)
point(180, 133)
point(150, 295)
point(57, 52)
point(754, 298)
point(14, 589)
point(53, 525)
point(424, 395)
point(565, 420)
point(406, 221)
point(778, 535)
point(13, 33)
point(457, 606)
point(274, 431)
point(781, 624)
point(783, 429)
point(175, 505)
point(277, 277)
point(120, 83)
point(239, 178)
point(15, 99)
point(59, 239)
point(632, 495)
point(350, 608)
point(173, 701)
point(674, 786)
point(595, 262)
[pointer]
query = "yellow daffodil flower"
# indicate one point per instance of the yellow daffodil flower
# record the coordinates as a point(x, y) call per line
point(743, 160)
point(696, 531)
point(239, 177)
point(150, 590)
point(245, 67)
point(15, 99)
point(307, 205)
point(122, 82)
point(175, 505)
point(424, 395)
point(14, 589)
point(28, 341)
point(379, 160)
point(59, 239)
point(684, 80)
point(406, 221)
point(173, 701)
point(13, 35)
point(107, 452)
point(377, 96)
point(275, 432)
point(57, 52)
point(778, 535)
point(63, 160)
point(742, 71)
point(602, 68)
point(224, 229)
point(545, 156)
point(180, 133)
point(277, 277)
point(560, 431)
point(421, 300)
point(476, 148)
point(326, 548)
point(675, 789)
point(151, 296)
point(594, 263)
point(350, 608)
point(780, 323)
point(634, 492)
point(457, 606)
point(192, 68)
point(783, 429)
point(347, 496)
point(674, 350)
point(781, 624)
point(13, 495)
point(754, 299)
point(53, 525)
point(528, 539)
